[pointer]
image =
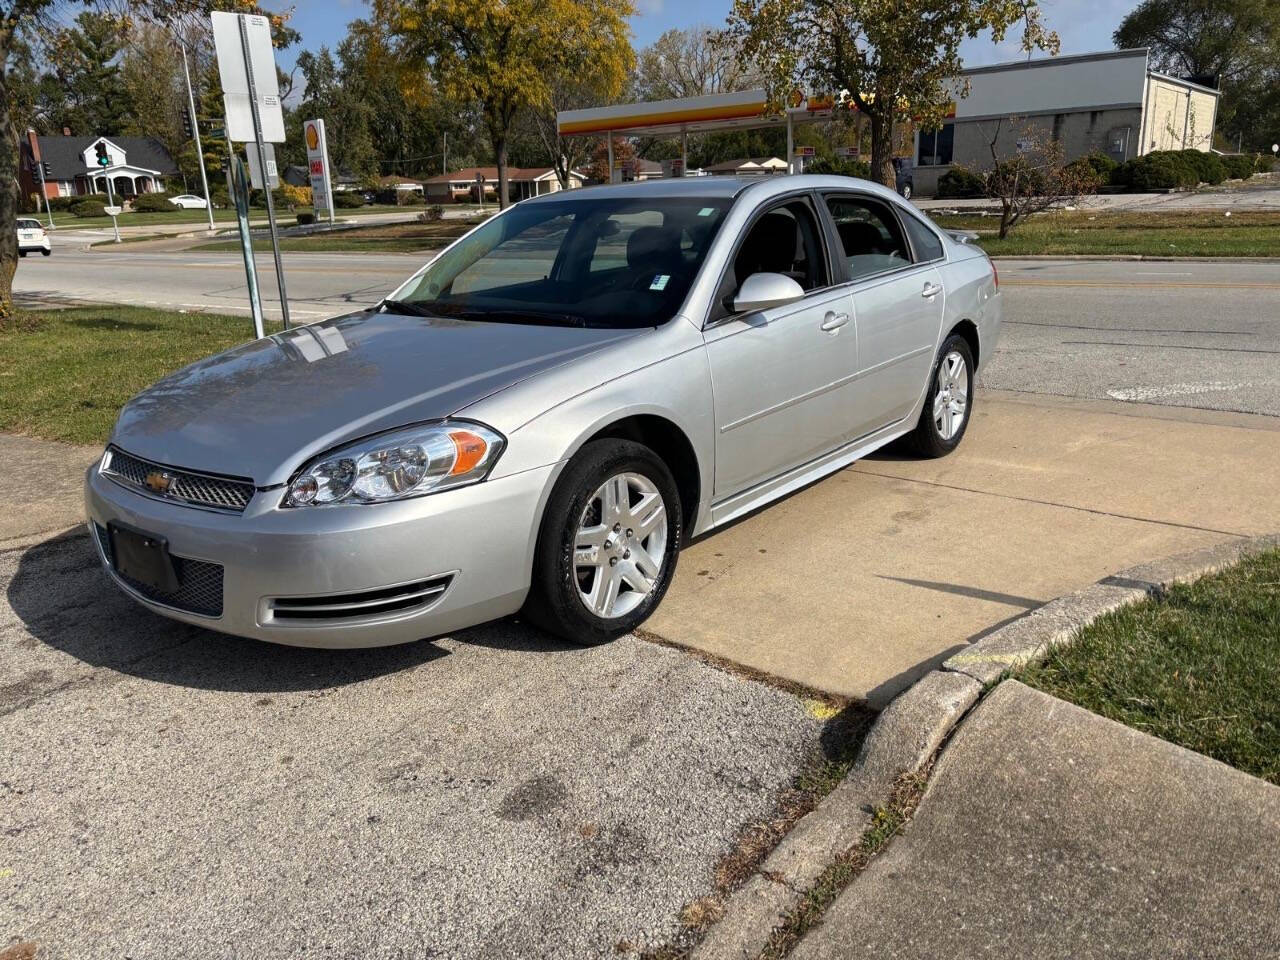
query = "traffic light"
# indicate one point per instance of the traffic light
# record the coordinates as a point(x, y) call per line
point(46, 173)
point(186, 125)
point(101, 149)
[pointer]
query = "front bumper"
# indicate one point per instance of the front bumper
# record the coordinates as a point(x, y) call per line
point(478, 539)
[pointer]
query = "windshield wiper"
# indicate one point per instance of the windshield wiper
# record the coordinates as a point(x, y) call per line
point(404, 306)
point(524, 316)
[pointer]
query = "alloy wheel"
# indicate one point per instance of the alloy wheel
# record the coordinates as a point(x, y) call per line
point(620, 546)
point(951, 401)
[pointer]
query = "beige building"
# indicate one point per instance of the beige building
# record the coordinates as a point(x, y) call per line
point(1110, 102)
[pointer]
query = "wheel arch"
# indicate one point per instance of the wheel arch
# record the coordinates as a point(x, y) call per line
point(665, 438)
point(969, 331)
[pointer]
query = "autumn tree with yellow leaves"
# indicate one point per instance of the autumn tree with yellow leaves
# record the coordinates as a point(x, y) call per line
point(507, 55)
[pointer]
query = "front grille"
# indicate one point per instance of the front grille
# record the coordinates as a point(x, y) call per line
point(185, 486)
point(199, 582)
point(369, 603)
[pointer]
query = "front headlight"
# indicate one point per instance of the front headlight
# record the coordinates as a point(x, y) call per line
point(404, 463)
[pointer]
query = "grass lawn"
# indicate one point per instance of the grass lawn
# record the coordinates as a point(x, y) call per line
point(1189, 234)
point(385, 238)
point(1200, 668)
point(223, 217)
point(65, 373)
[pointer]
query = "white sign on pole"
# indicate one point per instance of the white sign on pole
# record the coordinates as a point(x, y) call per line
point(255, 175)
point(235, 82)
point(318, 166)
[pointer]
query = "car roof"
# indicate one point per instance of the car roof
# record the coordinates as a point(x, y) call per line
point(716, 187)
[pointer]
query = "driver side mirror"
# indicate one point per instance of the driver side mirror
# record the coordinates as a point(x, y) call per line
point(760, 291)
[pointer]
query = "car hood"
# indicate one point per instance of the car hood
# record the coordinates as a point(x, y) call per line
point(261, 409)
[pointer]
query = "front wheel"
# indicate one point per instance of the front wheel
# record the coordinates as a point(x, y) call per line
point(608, 543)
point(949, 402)
point(46, 252)
point(906, 191)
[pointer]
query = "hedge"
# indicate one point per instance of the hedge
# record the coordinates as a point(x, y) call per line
point(153, 203)
point(306, 217)
point(959, 183)
point(347, 200)
point(1239, 166)
point(88, 208)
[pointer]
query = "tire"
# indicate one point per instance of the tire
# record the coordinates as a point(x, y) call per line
point(929, 438)
point(906, 191)
point(45, 252)
point(22, 253)
point(563, 585)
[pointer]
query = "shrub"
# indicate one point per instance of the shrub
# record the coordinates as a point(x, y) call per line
point(152, 203)
point(840, 167)
point(413, 198)
point(1264, 164)
point(959, 183)
point(1084, 173)
point(1207, 166)
point(432, 213)
point(1101, 163)
point(88, 208)
point(65, 203)
point(347, 200)
point(1160, 170)
point(219, 197)
point(294, 196)
point(1239, 166)
point(305, 217)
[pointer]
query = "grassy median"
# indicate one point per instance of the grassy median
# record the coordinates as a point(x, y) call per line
point(65, 373)
point(1199, 668)
point(1187, 234)
point(383, 238)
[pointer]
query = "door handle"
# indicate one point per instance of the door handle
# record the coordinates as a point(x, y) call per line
point(930, 290)
point(834, 321)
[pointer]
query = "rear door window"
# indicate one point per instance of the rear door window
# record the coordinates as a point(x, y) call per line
point(869, 234)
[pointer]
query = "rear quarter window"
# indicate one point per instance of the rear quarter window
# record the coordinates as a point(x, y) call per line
point(925, 241)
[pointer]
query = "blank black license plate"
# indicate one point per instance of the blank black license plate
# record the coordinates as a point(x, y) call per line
point(143, 557)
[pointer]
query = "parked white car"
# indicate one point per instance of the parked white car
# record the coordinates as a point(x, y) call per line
point(188, 201)
point(31, 237)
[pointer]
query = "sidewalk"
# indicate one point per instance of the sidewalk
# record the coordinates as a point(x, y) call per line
point(1048, 831)
point(43, 495)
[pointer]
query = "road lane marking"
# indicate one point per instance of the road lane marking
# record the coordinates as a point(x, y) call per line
point(1144, 394)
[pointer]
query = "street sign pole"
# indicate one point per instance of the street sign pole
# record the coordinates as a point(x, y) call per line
point(240, 196)
point(195, 132)
point(262, 165)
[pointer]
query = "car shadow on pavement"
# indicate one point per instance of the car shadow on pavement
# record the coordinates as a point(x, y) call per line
point(65, 600)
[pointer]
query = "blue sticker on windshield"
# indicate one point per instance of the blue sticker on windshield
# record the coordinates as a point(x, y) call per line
point(660, 282)
point(706, 211)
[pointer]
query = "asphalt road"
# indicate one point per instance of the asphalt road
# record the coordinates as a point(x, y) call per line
point(1203, 335)
point(170, 792)
point(1184, 333)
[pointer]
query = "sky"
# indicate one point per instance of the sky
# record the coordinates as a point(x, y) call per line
point(1083, 25)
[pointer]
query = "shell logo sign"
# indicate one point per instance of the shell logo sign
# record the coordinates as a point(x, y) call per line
point(313, 137)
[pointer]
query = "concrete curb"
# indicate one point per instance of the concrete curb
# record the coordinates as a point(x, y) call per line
point(912, 728)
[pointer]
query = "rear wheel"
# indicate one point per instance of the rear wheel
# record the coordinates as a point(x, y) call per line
point(949, 402)
point(46, 252)
point(22, 253)
point(608, 543)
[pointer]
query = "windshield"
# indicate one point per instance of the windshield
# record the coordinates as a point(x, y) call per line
point(604, 262)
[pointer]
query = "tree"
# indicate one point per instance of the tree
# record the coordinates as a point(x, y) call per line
point(1235, 41)
point(889, 58)
point(505, 57)
point(86, 67)
point(690, 63)
point(598, 170)
point(1036, 176)
point(34, 25)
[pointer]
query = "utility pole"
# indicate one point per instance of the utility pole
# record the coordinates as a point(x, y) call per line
point(195, 133)
point(262, 166)
point(444, 164)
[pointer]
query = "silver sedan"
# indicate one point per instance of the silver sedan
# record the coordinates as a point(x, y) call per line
point(538, 419)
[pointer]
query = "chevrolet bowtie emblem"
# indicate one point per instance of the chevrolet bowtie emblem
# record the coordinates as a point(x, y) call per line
point(158, 481)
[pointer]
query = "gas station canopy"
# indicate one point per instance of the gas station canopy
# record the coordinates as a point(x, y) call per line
point(745, 110)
